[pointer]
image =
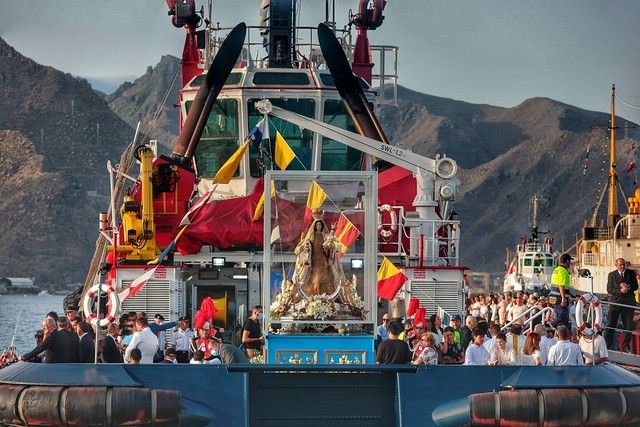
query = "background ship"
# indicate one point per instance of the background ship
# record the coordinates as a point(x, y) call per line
point(616, 235)
point(534, 260)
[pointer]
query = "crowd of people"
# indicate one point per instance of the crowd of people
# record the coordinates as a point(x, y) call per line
point(135, 339)
point(516, 328)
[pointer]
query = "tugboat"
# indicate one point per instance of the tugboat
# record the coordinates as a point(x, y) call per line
point(308, 253)
point(531, 267)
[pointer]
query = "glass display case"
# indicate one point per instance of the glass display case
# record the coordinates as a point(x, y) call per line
point(320, 252)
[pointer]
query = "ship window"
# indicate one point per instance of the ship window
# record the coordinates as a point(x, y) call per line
point(285, 79)
point(549, 262)
point(300, 140)
point(233, 79)
point(327, 80)
point(219, 138)
point(527, 262)
point(335, 155)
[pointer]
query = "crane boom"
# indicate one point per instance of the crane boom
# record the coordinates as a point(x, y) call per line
point(445, 168)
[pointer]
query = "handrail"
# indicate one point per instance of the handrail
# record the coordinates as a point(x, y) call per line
point(524, 313)
point(538, 314)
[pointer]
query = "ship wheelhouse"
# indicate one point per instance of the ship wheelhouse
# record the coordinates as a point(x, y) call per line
point(309, 92)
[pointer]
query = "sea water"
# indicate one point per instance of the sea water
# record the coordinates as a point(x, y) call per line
point(27, 312)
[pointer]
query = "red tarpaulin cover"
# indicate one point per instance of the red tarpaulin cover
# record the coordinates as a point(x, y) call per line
point(228, 223)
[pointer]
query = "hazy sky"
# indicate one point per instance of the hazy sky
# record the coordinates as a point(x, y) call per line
point(497, 52)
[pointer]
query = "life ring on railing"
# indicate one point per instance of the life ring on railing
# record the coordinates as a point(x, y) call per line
point(386, 229)
point(583, 300)
point(113, 305)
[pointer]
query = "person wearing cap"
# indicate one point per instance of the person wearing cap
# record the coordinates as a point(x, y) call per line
point(455, 324)
point(169, 357)
point(143, 340)
point(593, 345)
point(180, 340)
point(621, 285)
point(158, 327)
point(560, 282)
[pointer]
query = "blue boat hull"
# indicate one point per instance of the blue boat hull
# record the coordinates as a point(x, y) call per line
point(264, 395)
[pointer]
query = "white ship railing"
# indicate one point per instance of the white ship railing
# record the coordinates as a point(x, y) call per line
point(308, 52)
point(524, 316)
point(444, 240)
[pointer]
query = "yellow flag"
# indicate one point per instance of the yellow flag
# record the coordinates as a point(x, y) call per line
point(315, 199)
point(284, 153)
point(230, 167)
point(260, 206)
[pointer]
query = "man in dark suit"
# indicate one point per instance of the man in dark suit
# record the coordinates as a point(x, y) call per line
point(110, 351)
point(60, 345)
point(87, 344)
point(621, 285)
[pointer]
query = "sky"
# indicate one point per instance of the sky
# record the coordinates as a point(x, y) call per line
point(498, 52)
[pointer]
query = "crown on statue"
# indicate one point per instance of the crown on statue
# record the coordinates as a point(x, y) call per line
point(317, 214)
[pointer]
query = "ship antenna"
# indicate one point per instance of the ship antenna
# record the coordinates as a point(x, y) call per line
point(15, 330)
point(613, 177)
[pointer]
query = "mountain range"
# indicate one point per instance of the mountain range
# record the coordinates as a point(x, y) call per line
point(56, 135)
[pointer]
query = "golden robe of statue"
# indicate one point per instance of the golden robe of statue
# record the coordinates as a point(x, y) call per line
point(318, 270)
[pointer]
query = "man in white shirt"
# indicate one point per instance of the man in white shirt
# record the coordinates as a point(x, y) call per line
point(516, 340)
point(476, 354)
point(518, 308)
point(144, 340)
point(180, 340)
point(564, 352)
point(595, 344)
point(489, 344)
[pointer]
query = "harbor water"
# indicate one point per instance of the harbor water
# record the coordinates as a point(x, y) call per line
point(31, 309)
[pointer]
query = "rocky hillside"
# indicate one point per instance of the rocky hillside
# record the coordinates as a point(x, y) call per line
point(150, 99)
point(506, 155)
point(56, 135)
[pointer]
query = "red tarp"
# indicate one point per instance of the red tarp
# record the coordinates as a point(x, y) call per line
point(226, 224)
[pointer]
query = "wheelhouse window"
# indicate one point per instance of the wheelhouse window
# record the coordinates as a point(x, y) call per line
point(300, 140)
point(335, 155)
point(219, 138)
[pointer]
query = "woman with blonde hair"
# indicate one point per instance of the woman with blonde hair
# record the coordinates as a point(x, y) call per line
point(531, 352)
point(429, 354)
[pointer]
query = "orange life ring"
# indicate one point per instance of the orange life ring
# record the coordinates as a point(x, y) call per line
point(386, 230)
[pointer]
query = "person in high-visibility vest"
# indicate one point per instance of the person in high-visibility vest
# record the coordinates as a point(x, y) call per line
point(560, 284)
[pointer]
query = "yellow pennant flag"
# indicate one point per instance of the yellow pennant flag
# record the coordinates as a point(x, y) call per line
point(315, 199)
point(230, 167)
point(260, 206)
point(284, 153)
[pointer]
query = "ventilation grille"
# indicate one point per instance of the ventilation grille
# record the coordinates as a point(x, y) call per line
point(155, 298)
point(433, 294)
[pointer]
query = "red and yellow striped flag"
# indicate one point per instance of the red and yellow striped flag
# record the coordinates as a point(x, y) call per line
point(315, 199)
point(346, 233)
point(390, 280)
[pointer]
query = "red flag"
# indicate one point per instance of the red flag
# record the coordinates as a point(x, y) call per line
point(346, 233)
point(136, 286)
point(390, 280)
point(420, 316)
point(414, 303)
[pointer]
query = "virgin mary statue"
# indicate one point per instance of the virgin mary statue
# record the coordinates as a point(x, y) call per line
point(318, 270)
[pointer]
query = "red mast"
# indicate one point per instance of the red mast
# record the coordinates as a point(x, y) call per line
point(183, 14)
point(366, 19)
